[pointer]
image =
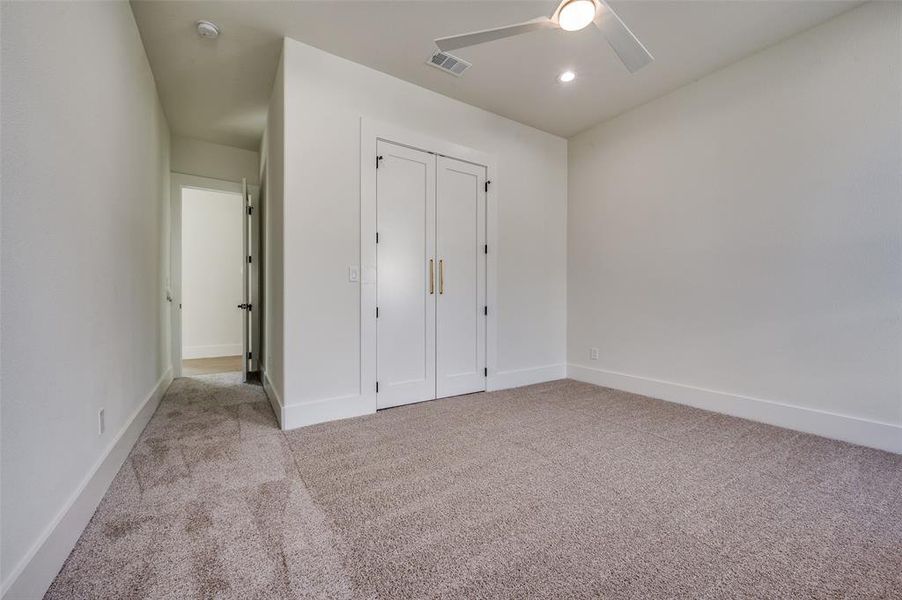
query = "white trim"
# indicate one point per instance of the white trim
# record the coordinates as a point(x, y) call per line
point(274, 399)
point(211, 351)
point(372, 130)
point(865, 432)
point(354, 405)
point(503, 380)
point(491, 269)
point(205, 183)
point(327, 409)
point(37, 569)
point(345, 407)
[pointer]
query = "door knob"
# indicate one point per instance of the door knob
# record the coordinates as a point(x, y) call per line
point(243, 306)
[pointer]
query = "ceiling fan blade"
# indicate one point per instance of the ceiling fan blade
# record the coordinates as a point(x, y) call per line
point(630, 50)
point(454, 42)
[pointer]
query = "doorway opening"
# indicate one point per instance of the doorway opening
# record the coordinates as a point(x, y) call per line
point(211, 281)
point(213, 286)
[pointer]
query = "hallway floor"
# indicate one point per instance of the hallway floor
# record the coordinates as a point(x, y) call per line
point(211, 366)
point(561, 489)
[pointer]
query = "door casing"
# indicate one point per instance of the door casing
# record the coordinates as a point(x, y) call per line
point(179, 181)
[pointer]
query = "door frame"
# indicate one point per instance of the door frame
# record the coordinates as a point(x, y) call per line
point(179, 181)
point(371, 131)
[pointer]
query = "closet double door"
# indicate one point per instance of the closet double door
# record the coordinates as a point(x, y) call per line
point(430, 276)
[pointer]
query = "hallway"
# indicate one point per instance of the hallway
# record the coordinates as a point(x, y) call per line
point(208, 504)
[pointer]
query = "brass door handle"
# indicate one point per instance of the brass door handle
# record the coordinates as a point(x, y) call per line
point(441, 276)
point(431, 276)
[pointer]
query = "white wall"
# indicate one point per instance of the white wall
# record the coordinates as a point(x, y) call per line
point(325, 97)
point(273, 241)
point(740, 239)
point(85, 164)
point(216, 161)
point(211, 273)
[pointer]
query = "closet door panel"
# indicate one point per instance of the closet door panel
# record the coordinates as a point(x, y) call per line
point(460, 239)
point(405, 327)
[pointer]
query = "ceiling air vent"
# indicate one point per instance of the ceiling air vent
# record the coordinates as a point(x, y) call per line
point(451, 64)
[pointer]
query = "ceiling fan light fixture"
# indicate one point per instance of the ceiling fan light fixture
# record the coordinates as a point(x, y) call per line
point(570, 15)
point(576, 14)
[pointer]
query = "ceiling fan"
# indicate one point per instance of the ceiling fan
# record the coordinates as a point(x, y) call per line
point(570, 15)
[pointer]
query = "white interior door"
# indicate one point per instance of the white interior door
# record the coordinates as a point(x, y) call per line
point(405, 269)
point(245, 305)
point(255, 266)
point(460, 305)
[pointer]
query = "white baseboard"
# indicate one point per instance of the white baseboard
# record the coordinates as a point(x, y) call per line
point(356, 405)
point(211, 351)
point(503, 380)
point(327, 409)
point(865, 432)
point(274, 399)
point(37, 569)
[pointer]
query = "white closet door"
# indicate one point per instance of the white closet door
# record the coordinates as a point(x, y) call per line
point(405, 327)
point(460, 304)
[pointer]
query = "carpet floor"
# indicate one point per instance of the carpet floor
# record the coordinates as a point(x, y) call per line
point(557, 490)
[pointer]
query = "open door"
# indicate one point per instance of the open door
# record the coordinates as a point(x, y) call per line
point(245, 305)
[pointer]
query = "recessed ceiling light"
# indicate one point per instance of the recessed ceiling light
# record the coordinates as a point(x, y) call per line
point(207, 29)
point(566, 77)
point(576, 14)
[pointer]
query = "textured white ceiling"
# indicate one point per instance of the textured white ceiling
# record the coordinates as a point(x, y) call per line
point(219, 90)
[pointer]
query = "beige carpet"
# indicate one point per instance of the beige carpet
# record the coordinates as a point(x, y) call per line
point(550, 491)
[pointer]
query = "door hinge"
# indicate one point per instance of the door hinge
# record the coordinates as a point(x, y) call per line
point(377, 237)
point(249, 260)
point(250, 355)
point(487, 185)
point(377, 387)
point(378, 158)
point(485, 310)
point(486, 249)
point(485, 372)
point(250, 210)
point(377, 312)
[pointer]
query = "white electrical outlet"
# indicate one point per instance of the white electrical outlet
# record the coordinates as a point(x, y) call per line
point(593, 353)
point(101, 422)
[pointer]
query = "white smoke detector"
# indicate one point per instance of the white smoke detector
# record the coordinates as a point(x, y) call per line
point(207, 29)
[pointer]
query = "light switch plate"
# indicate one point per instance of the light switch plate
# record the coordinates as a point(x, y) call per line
point(593, 353)
point(353, 274)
